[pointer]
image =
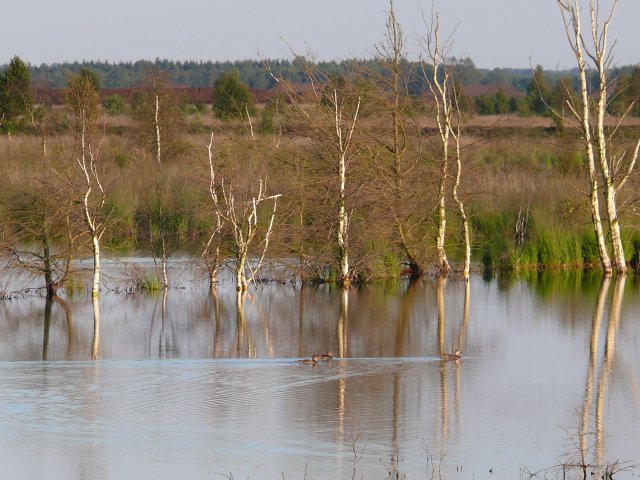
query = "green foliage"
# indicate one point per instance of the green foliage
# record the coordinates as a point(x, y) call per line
point(382, 260)
point(266, 120)
point(121, 158)
point(92, 77)
point(137, 101)
point(114, 105)
point(157, 107)
point(231, 97)
point(15, 95)
point(150, 284)
point(564, 94)
point(83, 103)
point(627, 94)
point(548, 245)
point(538, 94)
point(198, 126)
point(497, 104)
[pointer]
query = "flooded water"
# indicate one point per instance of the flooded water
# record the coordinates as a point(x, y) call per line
point(193, 385)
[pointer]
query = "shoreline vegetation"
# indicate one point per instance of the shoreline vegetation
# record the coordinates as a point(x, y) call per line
point(358, 171)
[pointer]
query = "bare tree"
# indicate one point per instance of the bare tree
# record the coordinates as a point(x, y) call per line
point(456, 133)
point(158, 118)
point(603, 163)
point(446, 97)
point(240, 210)
point(243, 219)
point(211, 251)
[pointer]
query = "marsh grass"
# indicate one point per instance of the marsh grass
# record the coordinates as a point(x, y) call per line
point(510, 174)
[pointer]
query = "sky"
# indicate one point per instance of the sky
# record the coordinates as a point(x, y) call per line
point(493, 33)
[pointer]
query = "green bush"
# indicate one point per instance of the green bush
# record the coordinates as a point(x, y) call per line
point(115, 105)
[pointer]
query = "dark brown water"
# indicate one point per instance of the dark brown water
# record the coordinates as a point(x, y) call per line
point(190, 385)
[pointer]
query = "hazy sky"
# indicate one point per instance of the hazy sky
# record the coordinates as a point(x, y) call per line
point(493, 33)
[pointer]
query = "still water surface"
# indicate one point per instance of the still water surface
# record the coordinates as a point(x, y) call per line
point(195, 386)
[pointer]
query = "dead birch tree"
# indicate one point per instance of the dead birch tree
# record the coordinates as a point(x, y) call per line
point(603, 163)
point(456, 133)
point(438, 76)
point(243, 220)
point(211, 250)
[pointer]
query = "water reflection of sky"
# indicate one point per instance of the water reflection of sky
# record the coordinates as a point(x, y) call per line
point(190, 385)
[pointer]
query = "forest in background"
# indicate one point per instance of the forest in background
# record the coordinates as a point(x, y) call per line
point(492, 91)
point(252, 72)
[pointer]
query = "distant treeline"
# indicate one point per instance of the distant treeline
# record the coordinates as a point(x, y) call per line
point(489, 92)
point(254, 74)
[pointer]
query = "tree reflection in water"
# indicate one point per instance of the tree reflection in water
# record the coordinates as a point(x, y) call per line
point(48, 307)
point(95, 346)
point(587, 456)
point(456, 365)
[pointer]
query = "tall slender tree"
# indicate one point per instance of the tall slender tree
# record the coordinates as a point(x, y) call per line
point(394, 173)
point(605, 161)
point(446, 96)
point(15, 95)
point(83, 107)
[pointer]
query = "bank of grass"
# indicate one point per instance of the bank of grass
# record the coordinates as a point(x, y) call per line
point(546, 245)
point(542, 244)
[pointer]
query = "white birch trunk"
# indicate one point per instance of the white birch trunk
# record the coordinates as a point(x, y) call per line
point(246, 109)
point(213, 266)
point(343, 227)
point(343, 143)
point(157, 125)
point(343, 139)
point(165, 276)
point(439, 90)
point(95, 290)
point(443, 263)
point(241, 276)
point(463, 216)
point(245, 229)
point(90, 221)
point(571, 17)
point(600, 57)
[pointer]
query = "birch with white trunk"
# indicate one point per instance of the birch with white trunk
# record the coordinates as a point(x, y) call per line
point(243, 219)
point(449, 126)
point(613, 169)
point(83, 104)
point(331, 111)
point(211, 250)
